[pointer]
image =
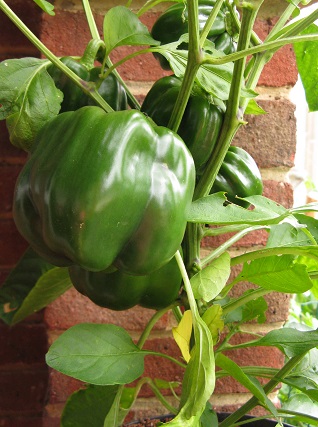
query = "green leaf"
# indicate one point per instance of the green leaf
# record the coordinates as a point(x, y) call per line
point(277, 273)
point(287, 234)
point(28, 98)
point(208, 283)
point(201, 366)
point(303, 405)
point(88, 406)
point(307, 64)
point(20, 282)
point(254, 108)
point(290, 341)
point(46, 6)
point(211, 210)
point(254, 309)
point(97, 354)
point(213, 317)
point(49, 286)
point(248, 382)
point(122, 27)
point(305, 385)
point(311, 224)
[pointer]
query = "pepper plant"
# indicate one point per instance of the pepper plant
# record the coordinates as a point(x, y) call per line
point(116, 197)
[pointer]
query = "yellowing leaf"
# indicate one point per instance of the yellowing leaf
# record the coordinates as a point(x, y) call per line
point(182, 334)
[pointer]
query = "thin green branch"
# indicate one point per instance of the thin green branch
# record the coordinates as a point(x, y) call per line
point(226, 245)
point(154, 319)
point(243, 299)
point(266, 252)
point(166, 356)
point(210, 21)
point(90, 19)
point(233, 115)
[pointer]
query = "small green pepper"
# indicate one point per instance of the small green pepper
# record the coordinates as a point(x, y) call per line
point(238, 176)
point(173, 23)
point(201, 122)
point(109, 88)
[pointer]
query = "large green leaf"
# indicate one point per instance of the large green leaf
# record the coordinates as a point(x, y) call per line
point(291, 341)
point(307, 64)
point(97, 354)
point(88, 406)
point(208, 283)
point(303, 408)
point(211, 210)
point(49, 286)
point(28, 98)
point(277, 273)
point(20, 282)
point(248, 382)
point(122, 27)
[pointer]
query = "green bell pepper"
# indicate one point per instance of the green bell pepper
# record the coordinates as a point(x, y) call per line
point(74, 98)
point(201, 122)
point(173, 23)
point(238, 176)
point(102, 189)
point(117, 290)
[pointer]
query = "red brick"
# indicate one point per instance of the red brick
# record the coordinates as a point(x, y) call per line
point(22, 343)
point(61, 387)
point(21, 421)
point(22, 390)
point(270, 138)
point(8, 152)
point(13, 42)
point(281, 70)
point(12, 245)
point(8, 174)
point(73, 308)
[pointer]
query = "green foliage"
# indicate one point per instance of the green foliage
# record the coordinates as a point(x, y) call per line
point(104, 356)
point(19, 284)
point(28, 98)
point(97, 354)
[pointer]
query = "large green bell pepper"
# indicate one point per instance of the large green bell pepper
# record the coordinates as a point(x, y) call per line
point(201, 122)
point(117, 290)
point(173, 23)
point(74, 98)
point(105, 188)
point(238, 176)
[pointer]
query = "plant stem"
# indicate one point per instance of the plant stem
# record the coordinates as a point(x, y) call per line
point(249, 256)
point(166, 356)
point(193, 64)
point(209, 22)
point(154, 319)
point(95, 35)
point(233, 116)
point(224, 246)
point(270, 386)
point(90, 19)
point(228, 308)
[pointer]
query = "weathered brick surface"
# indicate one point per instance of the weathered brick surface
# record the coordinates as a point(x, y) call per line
point(73, 308)
point(12, 245)
point(270, 138)
point(23, 343)
point(13, 43)
point(22, 390)
point(25, 421)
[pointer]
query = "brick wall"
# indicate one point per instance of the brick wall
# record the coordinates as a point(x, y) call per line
point(24, 392)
